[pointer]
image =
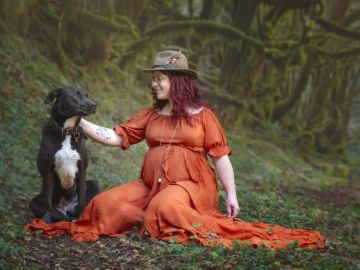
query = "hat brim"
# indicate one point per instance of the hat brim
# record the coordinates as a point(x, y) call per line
point(187, 71)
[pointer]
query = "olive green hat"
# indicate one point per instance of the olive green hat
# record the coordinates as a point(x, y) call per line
point(171, 61)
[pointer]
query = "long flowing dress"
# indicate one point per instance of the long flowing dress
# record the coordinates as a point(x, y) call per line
point(184, 204)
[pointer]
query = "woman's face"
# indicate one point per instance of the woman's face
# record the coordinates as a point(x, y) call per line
point(161, 85)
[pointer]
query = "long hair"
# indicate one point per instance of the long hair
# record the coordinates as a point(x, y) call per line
point(184, 92)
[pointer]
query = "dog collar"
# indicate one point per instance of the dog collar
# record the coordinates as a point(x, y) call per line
point(72, 131)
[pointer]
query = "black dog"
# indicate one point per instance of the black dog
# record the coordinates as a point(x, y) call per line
point(62, 158)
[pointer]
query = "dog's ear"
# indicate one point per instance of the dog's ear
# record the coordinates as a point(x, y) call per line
point(54, 94)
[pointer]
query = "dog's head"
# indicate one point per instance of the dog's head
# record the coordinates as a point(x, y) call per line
point(70, 101)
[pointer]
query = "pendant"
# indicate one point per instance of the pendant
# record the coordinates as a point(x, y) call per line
point(159, 180)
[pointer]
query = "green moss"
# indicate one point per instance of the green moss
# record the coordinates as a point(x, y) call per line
point(337, 29)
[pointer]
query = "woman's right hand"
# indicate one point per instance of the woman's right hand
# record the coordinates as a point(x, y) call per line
point(100, 134)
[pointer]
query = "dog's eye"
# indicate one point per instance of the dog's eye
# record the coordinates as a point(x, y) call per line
point(77, 95)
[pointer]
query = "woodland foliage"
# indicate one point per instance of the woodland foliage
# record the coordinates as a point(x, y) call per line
point(292, 66)
point(283, 73)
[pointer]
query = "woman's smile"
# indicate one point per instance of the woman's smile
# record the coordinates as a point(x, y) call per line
point(159, 92)
point(161, 85)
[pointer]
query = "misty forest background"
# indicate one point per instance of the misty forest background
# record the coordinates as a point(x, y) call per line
point(284, 77)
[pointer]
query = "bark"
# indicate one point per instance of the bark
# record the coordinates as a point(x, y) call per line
point(284, 107)
point(325, 113)
point(293, 4)
point(341, 113)
point(352, 17)
point(200, 26)
point(231, 75)
point(4, 8)
point(122, 26)
point(222, 98)
point(191, 8)
point(337, 9)
point(207, 8)
point(337, 29)
point(341, 54)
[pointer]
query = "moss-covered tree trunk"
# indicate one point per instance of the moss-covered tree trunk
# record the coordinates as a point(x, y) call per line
point(232, 72)
point(327, 106)
point(4, 8)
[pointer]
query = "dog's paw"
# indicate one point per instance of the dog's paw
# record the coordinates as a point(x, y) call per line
point(59, 216)
point(47, 218)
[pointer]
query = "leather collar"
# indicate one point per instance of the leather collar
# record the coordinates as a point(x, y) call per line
point(74, 131)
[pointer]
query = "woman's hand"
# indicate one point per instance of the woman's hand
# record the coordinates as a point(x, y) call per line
point(226, 174)
point(232, 206)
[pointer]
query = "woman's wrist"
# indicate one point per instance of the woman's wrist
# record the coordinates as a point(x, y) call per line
point(100, 134)
point(83, 123)
point(231, 193)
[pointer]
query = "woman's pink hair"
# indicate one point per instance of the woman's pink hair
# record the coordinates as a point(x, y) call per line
point(184, 91)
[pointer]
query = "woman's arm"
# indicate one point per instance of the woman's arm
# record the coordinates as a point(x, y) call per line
point(226, 173)
point(100, 134)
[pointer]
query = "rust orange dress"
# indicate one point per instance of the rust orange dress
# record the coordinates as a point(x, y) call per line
point(184, 205)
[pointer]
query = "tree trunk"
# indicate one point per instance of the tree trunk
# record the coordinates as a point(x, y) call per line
point(207, 8)
point(326, 109)
point(236, 54)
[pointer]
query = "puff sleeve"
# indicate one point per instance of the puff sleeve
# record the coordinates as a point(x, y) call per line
point(215, 143)
point(133, 130)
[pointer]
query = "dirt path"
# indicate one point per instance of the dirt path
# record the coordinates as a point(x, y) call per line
point(340, 196)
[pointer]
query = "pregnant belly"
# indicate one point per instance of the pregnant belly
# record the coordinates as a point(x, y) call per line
point(174, 163)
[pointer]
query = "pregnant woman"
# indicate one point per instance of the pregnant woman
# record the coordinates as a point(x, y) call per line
point(176, 196)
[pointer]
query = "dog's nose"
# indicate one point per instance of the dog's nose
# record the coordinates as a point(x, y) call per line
point(92, 106)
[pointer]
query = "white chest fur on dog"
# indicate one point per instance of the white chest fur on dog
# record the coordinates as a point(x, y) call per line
point(66, 159)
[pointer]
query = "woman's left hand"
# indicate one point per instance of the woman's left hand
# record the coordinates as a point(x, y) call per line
point(226, 174)
point(232, 206)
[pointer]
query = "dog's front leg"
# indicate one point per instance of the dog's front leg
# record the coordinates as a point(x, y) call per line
point(81, 187)
point(49, 180)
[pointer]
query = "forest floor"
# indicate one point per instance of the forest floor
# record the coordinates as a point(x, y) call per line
point(132, 252)
point(47, 252)
point(338, 196)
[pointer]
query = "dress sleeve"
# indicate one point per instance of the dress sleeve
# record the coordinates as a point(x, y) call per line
point(215, 143)
point(133, 130)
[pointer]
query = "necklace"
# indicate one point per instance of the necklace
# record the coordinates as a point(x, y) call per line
point(156, 187)
point(167, 148)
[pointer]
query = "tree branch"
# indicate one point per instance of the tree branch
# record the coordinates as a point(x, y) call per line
point(336, 29)
point(204, 26)
point(222, 97)
point(292, 4)
point(342, 54)
point(352, 17)
point(104, 23)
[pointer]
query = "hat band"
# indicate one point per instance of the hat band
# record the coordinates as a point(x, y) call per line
point(166, 66)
